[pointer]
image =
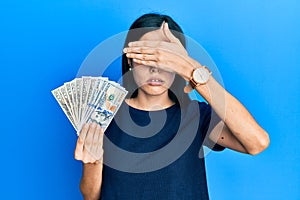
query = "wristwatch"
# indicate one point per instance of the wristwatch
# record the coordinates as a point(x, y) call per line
point(200, 76)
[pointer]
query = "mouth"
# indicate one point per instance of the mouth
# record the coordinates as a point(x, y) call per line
point(155, 82)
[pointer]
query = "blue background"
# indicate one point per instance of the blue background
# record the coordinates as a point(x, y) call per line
point(254, 43)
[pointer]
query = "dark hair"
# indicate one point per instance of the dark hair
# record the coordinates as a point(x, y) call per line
point(144, 24)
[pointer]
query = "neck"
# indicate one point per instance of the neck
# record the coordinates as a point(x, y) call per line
point(150, 103)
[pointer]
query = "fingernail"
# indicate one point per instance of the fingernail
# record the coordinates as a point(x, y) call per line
point(125, 50)
point(129, 44)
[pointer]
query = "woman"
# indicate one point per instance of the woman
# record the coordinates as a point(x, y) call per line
point(155, 70)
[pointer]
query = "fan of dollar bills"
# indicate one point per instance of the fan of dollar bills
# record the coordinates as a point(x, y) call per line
point(90, 99)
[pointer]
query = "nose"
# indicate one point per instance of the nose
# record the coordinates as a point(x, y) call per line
point(154, 69)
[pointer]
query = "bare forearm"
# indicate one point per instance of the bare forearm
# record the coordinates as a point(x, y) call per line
point(90, 185)
point(236, 117)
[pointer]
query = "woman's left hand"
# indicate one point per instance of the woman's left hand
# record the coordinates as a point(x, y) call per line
point(168, 55)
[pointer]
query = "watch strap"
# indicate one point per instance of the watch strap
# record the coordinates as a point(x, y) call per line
point(193, 83)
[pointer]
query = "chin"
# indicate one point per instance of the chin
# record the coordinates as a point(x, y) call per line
point(155, 91)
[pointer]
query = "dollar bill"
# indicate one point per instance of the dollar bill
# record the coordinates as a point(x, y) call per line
point(58, 96)
point(86, 81)
point(65, 96)
point(90, 99)
point(74, 94)
point(107, 105)
point(78, 83)
point(70, 94)
point(90, 93)
point(96, 91)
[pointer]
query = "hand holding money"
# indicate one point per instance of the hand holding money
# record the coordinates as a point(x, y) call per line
point(90, 104)
point(89, 147)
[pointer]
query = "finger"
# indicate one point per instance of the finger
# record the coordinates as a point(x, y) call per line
point(146, 43)
point(169, 35)
point(149, 63)
point(141, 56)
point(162, 25)
point(155, 64)
point(95, 142)
point(100, 154)
point(188, 88)
point(79, 145)
point(79, 149)
point(145, 50)
point(83, 132)
point(100, 144)
point(87, 158)
point(89, 137)
point(78, 153)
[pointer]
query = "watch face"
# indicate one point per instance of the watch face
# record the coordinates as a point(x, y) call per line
point(201, 75)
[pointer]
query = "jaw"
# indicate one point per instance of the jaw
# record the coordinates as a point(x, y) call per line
point(155, 99)
point(157, 92)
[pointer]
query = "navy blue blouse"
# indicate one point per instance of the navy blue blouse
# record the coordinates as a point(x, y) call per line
point(157, 154)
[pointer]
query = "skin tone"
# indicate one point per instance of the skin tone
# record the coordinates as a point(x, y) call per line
point(153, 86)
point(89, 151)
point(157, 57)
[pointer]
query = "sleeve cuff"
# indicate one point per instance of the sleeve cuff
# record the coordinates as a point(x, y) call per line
point(213, 146)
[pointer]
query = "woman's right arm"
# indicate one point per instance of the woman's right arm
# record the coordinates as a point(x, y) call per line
point(89, 150)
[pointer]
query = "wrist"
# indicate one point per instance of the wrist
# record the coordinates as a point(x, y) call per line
point(199, 76)
point(188, 68)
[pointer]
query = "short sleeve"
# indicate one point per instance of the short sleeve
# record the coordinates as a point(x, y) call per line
point(206, 124)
